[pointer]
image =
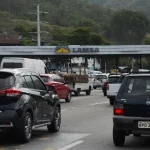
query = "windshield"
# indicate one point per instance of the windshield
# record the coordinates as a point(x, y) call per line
point(101, 77)
point(12, 65)
point(6, 80)
point(45, 79)
point(113, 79)
point(138, 86)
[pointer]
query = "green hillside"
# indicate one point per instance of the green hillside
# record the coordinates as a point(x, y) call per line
point(139, 5)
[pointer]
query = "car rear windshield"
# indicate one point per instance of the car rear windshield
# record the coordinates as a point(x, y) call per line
point(6, 80)
point(45, 79)
point(101, 77)
point(139, 86)
point(113, 79)
point(12, 65)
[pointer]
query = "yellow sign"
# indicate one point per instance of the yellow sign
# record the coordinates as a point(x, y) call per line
point(62, 49)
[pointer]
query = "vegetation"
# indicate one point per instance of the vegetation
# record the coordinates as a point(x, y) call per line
point(72, 22)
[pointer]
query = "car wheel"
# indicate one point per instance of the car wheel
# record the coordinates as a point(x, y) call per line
point(137, 135)
point(55, 125)
point(77, 93)
point(68, 99)
point(111, 101)
point(26, 131)
point(88, 92)
point(118, 137)
point(94, 87)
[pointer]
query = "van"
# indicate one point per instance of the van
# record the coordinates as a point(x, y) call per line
point(36, 65)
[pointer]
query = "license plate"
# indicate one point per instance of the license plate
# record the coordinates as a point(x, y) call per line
point(144, 124)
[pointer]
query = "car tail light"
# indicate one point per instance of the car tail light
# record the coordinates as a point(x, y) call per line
point(12, 92)
point(118, 109)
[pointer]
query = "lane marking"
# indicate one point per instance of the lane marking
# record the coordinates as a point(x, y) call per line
point(71, 145)
point(98, 103)
point(63, 109)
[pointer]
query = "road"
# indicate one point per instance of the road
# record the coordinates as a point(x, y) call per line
point(86, 125)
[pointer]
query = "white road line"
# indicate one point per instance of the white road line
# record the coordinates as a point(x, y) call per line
point(98, 103)
point(71, 145)
point(63, 109)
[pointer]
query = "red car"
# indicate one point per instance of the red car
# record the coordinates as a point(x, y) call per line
point(62, 90)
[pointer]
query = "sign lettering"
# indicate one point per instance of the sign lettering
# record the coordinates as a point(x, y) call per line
point(85, 50)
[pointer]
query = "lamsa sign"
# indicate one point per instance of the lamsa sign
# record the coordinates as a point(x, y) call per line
point(85, 50)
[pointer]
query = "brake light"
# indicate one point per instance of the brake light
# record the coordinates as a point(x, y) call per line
point(118, 109)
point(12, 92)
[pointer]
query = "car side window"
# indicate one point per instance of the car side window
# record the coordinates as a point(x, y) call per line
point(59, 79)
point(24, 84)
point(38, 83)
point(55, 78)
point(29, 82)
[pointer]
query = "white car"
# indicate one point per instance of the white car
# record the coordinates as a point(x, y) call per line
point(99, 79)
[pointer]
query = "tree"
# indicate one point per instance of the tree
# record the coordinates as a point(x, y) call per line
point(128, 27)
point(77, 36)
point(147, 39)
point(25, 32)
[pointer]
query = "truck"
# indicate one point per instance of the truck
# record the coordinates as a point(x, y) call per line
point(36, 65)
point(79, 81)
point(113, 88)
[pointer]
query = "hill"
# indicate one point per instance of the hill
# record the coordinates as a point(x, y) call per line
point(138, 5)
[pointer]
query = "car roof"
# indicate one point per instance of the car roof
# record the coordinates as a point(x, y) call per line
point(18, 70)
point(114, 75)
point(144, 74)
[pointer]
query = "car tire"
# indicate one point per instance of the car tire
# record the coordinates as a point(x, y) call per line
point(77, 93)
point(25, 132)
point(111, 101)
point(88, 92)
point(137, 135)
point(118, 137)
point(94, 87)
point(68, 99)
point(56, 122)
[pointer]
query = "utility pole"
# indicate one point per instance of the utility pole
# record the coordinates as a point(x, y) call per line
point(38, 26)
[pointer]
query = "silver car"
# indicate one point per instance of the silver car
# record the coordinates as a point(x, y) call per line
point(99, 79)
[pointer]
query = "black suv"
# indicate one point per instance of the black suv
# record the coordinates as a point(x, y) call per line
point(26, 103)
point(132, 108)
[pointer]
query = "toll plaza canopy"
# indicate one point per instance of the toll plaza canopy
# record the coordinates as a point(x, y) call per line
point(74, 50)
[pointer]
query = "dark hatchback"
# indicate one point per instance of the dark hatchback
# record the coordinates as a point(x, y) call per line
point(132, 108)
point(26, 103)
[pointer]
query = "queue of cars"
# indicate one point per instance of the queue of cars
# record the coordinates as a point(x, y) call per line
point(30, 98)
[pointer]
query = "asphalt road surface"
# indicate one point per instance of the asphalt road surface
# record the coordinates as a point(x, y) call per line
point(86, 125)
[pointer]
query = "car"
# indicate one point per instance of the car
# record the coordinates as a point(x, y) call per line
point(26, 103)
point(113, 88)
point(112, 78)
point(98, 79)
point(132, 108)
point(36, 65)
point(62, 90)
